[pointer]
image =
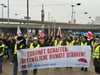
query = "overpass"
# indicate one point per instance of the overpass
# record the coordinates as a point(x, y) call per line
point(48, 25)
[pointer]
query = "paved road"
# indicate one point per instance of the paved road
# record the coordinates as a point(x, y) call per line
point(8, 70)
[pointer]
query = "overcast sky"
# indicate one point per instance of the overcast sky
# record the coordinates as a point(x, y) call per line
point(60, 10)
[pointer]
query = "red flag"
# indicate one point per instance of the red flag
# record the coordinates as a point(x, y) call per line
point(52, 34)
point(89, 35)
point(59, 32)
point(29, 34)
point(41, 34)
point(19, 31)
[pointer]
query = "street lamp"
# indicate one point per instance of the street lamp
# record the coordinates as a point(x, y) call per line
point(16, 14)
point(85, 13)
point(89, 17)
point(3, 6)
point(8, 11)
point(78, 4)
point(27, 17)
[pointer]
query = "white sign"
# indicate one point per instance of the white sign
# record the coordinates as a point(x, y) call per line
point(50, 57)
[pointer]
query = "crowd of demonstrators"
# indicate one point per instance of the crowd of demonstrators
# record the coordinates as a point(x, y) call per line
point(9, 46)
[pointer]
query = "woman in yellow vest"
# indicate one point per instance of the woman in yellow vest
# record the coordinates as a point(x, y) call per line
point(96, 55)
point(84, 42)
point(35, 45)
point(70, 41)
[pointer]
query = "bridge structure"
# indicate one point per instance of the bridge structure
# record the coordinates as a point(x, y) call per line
point(37, 25)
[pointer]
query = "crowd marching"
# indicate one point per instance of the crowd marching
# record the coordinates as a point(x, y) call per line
point(10, 45)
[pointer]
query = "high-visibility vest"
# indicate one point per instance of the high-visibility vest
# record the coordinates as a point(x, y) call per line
point(92, 43)
point(2, 52)
point(31, 45)
point(70, 43)
point(58, 44)
point(15, 49)
point(96, 52)
point(77, 42)
point(84, 44)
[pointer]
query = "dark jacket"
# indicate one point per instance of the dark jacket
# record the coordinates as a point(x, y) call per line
point(18, 48)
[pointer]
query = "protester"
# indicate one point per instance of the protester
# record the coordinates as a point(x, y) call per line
point(77, 41)
point(84, 43)
point(96, 55)
point(1, 54)
point(70, 41)
point(58, 41)
point(35, 45)
point(41, 41)
point(20, 44)
point(10, 48)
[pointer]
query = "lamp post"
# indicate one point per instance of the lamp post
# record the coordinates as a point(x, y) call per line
point(42, 18)
point(27, 18)
point(54, 26)
point(72, 19)
point(3, 6)
point(8, 11)
point(48, 21)
point(72, 13)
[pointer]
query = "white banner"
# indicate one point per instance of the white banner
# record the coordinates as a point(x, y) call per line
point(50, 57)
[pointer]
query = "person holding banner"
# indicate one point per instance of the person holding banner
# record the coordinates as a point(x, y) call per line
point(77, 41)
point(84, 43)
point(20, 44)
point(58, 41)
point(35, 45)
point(69, 42)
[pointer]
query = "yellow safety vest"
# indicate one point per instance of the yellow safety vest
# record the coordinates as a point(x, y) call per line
point(59, 44)
point(96, 52)
point(31, 46)
point(2, 50)
point(92, 43)
point(78, 42)
point(70, 44)
point(84, 44)
point(15, 49)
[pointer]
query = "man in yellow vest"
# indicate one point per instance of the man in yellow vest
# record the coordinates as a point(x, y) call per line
point(84, 42)
point(20, 44)
point(1, 54)
point(35, 45)
point(96, 55)
point(58, 41)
